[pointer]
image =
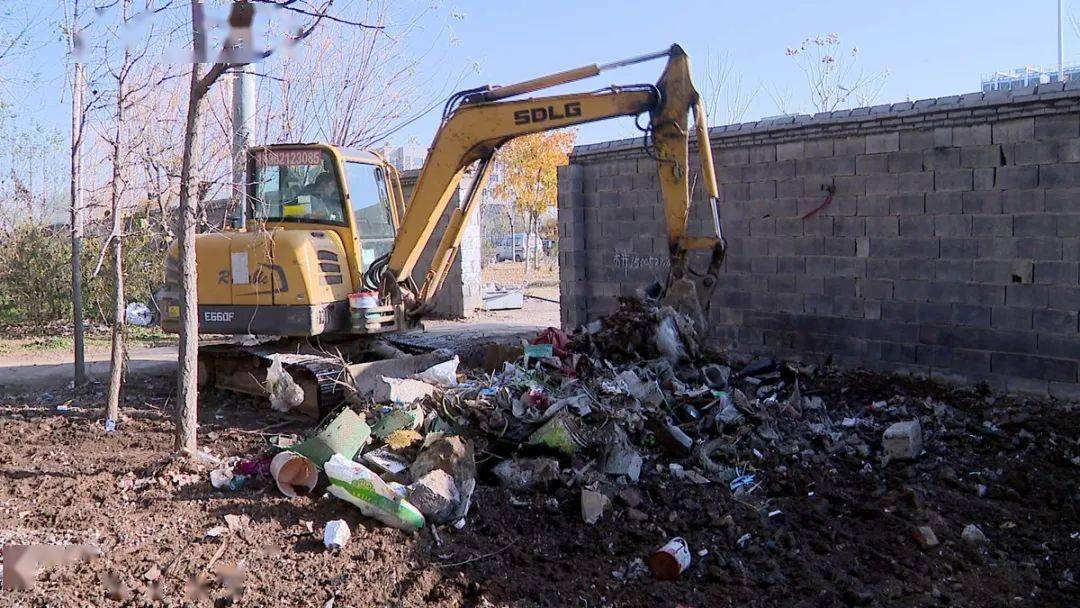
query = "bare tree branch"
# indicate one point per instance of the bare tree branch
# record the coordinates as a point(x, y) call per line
point(290, 5)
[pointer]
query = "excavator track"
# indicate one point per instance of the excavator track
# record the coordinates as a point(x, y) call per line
point(243, 369)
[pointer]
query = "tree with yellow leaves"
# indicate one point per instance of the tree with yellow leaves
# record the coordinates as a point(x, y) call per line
point(525, 174)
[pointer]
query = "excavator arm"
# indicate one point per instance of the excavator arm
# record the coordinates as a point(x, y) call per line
point(477, 122)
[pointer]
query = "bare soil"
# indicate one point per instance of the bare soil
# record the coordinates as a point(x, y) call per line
point(842, 534)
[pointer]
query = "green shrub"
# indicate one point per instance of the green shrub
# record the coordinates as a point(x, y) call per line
point(35, 273)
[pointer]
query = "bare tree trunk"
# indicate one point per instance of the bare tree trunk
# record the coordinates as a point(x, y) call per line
point(525, 246)
point(116, 369)
point(116, 239)
point(530, 244)
point(513, 241)
point(77, 121)
point(187, 378)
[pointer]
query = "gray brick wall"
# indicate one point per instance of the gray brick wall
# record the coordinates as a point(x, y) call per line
point(951, 248)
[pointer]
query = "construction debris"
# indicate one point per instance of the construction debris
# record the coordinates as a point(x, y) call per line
point(627, 424)
point(973, 535)
point(345, 433)
point(293, 473)
point(527, 474)
point(903, 440)
point(669, 561)
point(593, 505)
point(402, 391)
point(925, 537)
point(436, 495)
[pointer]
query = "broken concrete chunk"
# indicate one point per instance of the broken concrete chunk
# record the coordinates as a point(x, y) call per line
point(758, 367)
point(728, 414)
point(367, 378)
point(593, 505)
point(525, 474)
point(621, 460)
point(451, 454)
point(716, 376)
point(435, 495)
point(674, 440)
point(973, 535)
point(903, 440)
point(630, 496)
point(925, 537)
point(402, 391)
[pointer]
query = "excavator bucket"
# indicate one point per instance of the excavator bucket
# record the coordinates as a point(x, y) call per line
point(670, 125)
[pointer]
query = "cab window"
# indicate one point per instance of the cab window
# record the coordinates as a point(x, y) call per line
point(298, 185)
point(371, 209)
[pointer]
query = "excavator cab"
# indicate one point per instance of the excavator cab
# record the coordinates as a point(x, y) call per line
point(352, 191)
point(319, 218)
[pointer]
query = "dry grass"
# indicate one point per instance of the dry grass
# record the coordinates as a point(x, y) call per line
point(513, 273)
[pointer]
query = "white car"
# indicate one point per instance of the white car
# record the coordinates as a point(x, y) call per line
point(514, 248)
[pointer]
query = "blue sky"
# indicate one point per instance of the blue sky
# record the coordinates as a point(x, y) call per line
point(930, 48)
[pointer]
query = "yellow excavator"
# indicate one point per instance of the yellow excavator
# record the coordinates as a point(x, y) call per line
point(323, 223)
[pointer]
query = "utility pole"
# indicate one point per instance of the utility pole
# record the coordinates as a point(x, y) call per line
point(243, 105)
point(1061, 47)
point(77, 121)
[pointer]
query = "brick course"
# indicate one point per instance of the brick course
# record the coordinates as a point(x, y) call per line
point(951, 247)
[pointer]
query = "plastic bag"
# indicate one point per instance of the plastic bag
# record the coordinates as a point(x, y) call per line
point(285, 393)
point(138, 314)
point(353, 482)
point(668, 342)
point(443, 374)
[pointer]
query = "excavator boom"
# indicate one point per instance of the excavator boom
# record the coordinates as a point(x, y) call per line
point(477, 122)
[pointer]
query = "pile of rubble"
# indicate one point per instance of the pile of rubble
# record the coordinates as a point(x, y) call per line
point(625, 399)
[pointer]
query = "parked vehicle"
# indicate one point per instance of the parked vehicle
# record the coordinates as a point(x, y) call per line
point(514, 248)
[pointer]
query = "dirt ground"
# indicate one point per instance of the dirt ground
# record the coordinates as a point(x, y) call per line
point(34, 362)
point(836, 530)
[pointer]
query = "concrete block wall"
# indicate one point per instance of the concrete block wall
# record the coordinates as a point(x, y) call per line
point(462, 292)
point(951, 247)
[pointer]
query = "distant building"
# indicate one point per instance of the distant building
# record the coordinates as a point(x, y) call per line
point(1019, 78)
point(404, 157)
